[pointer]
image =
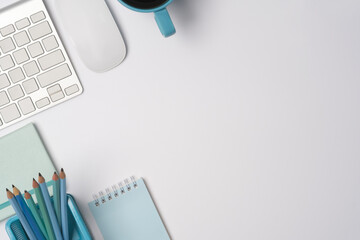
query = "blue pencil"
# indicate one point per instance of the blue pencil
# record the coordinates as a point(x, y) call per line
point(49, 207)
point(63, 204)
point(28, 215)
point(56, 197)
point(20, 215)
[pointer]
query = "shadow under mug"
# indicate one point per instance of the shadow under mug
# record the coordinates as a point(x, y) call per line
point(162, 16)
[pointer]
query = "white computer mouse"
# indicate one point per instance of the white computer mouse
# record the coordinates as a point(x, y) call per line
point(91, 27)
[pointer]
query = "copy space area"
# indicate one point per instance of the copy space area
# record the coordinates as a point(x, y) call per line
point(244, 124)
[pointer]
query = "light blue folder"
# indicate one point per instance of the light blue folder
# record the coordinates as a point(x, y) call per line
point(128, 215)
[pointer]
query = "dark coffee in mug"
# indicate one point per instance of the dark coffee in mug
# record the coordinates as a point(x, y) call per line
point(161, 14)
point(145, 4)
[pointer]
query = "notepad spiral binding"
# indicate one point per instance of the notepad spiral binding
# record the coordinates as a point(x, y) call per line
point(117, 190)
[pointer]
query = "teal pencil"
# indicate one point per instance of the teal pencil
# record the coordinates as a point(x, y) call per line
point(56, 197)
point(63, 200)
point(35, 213)
point(49, 207)
point(43, 210)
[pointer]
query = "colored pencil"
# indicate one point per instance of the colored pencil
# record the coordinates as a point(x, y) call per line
point(43, 210)
point(31, 220)
point(49, 207)
point(56, 197)
point(20, 215)
point(63, 201)
point(30, 201)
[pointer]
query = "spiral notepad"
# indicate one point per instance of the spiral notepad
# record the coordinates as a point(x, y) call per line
point(126, 211)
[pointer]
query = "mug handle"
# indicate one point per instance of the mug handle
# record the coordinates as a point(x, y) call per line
point(164, 22)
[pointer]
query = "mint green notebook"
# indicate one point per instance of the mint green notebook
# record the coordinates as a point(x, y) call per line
point(22, 157)
point(127, 212)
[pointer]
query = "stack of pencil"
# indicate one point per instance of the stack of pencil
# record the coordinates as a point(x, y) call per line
point(47, 221)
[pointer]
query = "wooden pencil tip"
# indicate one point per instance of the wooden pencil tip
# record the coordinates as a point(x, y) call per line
point(16, 190)
point(55, 177)
point(62, 169)
point(9, 194)
point(62, 174)
point(27, 195)
point(41, 179)
point(35, 184)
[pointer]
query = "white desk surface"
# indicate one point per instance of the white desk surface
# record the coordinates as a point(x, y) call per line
point(245, 124)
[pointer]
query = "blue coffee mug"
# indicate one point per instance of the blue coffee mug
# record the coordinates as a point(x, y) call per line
point(158, 7)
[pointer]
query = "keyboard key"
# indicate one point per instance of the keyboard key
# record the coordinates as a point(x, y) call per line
point(21, 38)
point(26, 105)
point(4, 99)
point(31, 68)
point(30, 86)
point(9, 29)
point(54, 75)
point(15, 92)
point(16, 75)
point(51, 60)
point(71, 90)
point(4, 81)
point(50, 43)
point(54, 89)
point(35, 49)
point(6, 62)
point(57, 96)
point(40, 30)
point(55, 93)
point(21, 56)
point(7, 45)
point(42, 102)
point(10, 113)
point(23, 23)
point(37, 17)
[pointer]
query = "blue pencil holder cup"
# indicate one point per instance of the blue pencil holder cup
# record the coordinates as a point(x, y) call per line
point(77, 226)
point(162, 16)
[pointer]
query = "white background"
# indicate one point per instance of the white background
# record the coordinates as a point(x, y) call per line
point(245, 124)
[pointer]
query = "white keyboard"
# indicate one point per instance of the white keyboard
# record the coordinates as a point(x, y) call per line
point(35, 71)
